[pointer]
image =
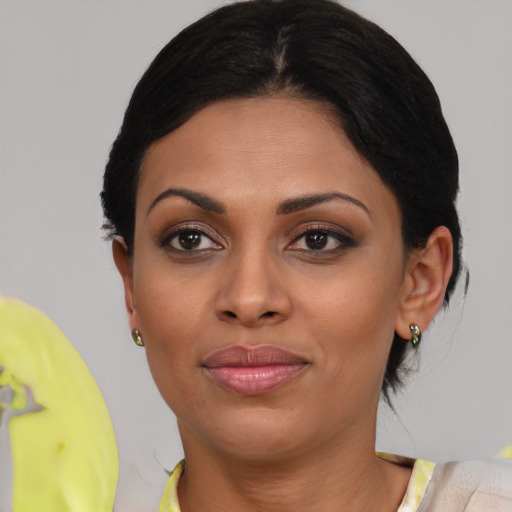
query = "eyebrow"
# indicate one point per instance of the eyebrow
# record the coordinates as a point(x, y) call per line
point(304, 202)
point(202, 200)
point(287, 207)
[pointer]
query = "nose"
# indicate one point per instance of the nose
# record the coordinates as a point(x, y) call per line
point(253, 292)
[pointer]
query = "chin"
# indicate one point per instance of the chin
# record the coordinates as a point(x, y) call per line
point(254, 434)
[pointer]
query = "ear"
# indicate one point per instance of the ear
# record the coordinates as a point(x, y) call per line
point(123, 263)
point(427, 274)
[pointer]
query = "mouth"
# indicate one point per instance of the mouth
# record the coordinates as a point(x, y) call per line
point(253, 370)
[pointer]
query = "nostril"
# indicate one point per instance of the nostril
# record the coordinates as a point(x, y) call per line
point(230, 314)
point(269, 314)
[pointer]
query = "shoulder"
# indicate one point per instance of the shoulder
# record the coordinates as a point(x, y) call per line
point(482, 475)
point(471, 486)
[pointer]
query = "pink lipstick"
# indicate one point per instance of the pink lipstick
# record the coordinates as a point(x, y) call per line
point(251, 370)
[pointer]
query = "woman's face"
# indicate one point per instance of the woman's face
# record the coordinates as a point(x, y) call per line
point(268, 275)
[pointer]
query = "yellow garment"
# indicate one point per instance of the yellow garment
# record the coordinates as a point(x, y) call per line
point(169, 501)
point(422, 471)
point(63, 446)
point(420, 478)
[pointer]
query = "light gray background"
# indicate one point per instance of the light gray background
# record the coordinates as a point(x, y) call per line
point(67, 69)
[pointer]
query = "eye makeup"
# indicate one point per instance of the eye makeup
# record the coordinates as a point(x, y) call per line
point(188, 237)
point(319, 238)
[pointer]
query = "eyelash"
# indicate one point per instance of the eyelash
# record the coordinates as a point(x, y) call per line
point(344, 240)
point(182, 229)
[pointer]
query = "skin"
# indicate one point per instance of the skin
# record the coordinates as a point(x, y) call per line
point(309, 443)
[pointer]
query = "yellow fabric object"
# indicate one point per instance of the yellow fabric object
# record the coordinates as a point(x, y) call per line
point(422, 471)
point(169, 501)
point(63, 449)
point(418, 484)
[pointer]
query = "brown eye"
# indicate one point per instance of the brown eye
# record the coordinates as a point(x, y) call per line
point(316, 240)
point(191, 240)
point(322, 241)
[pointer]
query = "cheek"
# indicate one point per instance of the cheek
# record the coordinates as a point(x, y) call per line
point(352, 316)
point(172, 310)
point(362, 302)
point(167, 301)
point(171, 327)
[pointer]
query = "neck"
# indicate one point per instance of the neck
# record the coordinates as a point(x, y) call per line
point(338, 476)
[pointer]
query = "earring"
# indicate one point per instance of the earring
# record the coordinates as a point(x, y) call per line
point(137, 337)
point(415, 334)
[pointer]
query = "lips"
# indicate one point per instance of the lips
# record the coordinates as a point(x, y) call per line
point(253, 370)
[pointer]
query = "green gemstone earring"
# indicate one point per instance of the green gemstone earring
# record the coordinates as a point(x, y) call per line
point(137, 338)
point(415, 334)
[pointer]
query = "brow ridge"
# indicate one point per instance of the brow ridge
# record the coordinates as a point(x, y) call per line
point(287, 207)
point(308, 201)
point(204, 201)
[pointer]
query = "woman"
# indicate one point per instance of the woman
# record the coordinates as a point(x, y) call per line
point(281, 198)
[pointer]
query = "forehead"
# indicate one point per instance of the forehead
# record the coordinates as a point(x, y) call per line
point(262, 148)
